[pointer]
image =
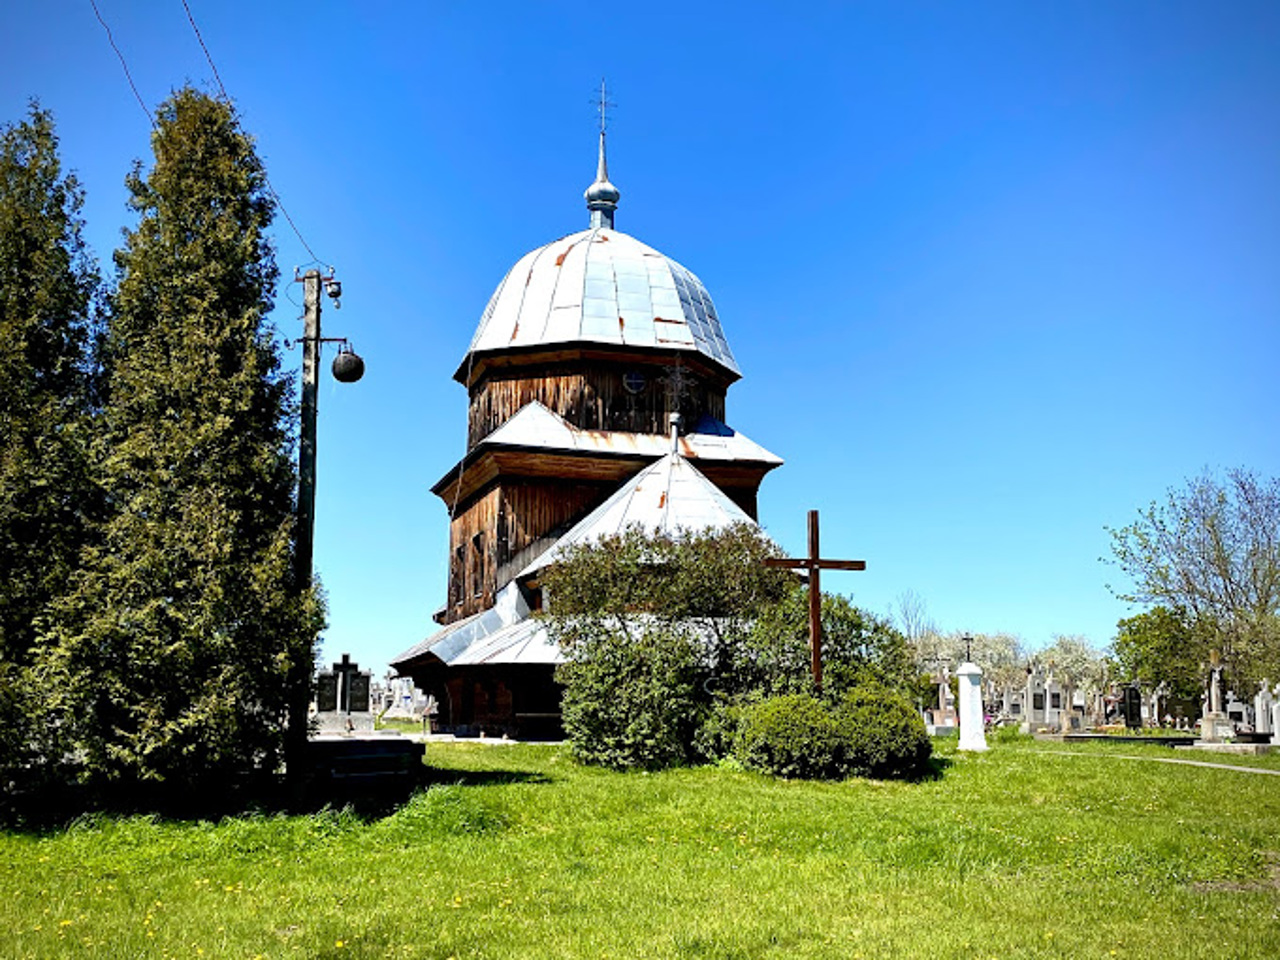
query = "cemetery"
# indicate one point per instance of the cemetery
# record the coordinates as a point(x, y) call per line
point(1027, 850)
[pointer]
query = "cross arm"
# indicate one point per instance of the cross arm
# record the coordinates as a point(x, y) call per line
point(820, 564)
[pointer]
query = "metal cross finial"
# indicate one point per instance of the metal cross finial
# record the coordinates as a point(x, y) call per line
point(603, 106)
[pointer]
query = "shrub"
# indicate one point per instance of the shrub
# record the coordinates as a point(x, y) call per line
point(791, 736)
point(630, 700)
point(718, 735)
point(882, 733)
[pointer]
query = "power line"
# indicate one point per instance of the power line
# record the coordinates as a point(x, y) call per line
point(128, 76)
point(270, 189)
point(222, 88)
point(212, 67)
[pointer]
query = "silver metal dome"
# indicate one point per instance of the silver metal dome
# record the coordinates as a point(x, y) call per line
point(602, 286)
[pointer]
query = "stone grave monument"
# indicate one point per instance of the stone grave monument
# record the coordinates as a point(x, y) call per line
point(1263, 701)
point(942, 720)
point(1052, 700)
point(342, 699)
point(1215, 725)
point(1131, 706)
point(1035, 701)
point(972, 736)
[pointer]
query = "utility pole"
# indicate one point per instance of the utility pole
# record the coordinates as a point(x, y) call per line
point(347, 368)
point(311, 289)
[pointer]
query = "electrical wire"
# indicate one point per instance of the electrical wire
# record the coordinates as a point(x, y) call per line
point(127, 75)
point(216, 75)
point(266, 179)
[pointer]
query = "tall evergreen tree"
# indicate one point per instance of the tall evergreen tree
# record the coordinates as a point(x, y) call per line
point(47, 283)
point(47, 287)
point(172, 656)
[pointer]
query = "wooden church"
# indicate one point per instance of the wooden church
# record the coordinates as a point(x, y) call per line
point(596, 382)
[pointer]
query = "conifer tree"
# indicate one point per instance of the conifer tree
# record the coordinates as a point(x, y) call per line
point(47, 287)
point(172, 656)
point(47, 282)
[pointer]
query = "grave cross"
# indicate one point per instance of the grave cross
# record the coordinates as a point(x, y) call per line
point(345, 671)
point(814, 563)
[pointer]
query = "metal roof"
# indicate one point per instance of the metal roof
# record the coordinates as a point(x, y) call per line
point(668, 496)
point(505, 633)
point(602, 286)
point(534, 425)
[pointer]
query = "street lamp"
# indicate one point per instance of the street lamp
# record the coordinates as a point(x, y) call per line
point(347, 368)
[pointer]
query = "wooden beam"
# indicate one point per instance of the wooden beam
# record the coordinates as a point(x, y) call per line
point(802, 563)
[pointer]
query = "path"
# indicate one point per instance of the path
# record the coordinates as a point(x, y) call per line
point(1190, 763)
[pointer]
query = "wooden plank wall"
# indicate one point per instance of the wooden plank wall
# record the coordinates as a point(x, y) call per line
point(472, 556)
point(592, 399)
point(499, 525)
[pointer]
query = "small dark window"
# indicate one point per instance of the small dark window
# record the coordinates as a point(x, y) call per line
point(455, 574)
point(477, 565)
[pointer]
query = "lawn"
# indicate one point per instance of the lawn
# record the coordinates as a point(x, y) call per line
point(1031, 850)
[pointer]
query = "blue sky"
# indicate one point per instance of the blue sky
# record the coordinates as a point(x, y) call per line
point(997, 274)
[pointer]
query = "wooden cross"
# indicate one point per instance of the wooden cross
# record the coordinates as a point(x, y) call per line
point(813, 563)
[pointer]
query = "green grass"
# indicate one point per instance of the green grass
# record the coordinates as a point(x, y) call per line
point(1022, 852)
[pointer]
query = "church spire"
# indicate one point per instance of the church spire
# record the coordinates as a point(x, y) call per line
point(602, 196)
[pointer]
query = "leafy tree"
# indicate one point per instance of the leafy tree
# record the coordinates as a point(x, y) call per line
point(661, 631)
point(47, 288)
point(169, 660)
point(1075, 662)
point(646, 620)
point(1163, 645)
point(1212, 550)
point(857, 647)
point(1002, 656)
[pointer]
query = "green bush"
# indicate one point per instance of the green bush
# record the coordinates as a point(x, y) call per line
point(882, 733)
point(630, 700)
point(716, 738)
point(791, 736)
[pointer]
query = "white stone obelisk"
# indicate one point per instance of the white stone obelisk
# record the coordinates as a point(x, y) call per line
point(972, 736)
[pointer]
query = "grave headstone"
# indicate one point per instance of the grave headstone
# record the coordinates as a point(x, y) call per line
point(342, 699)
point(1053, 700)
point(1263, 701)
point(944, 713)
point(1035, 700)
point(326, 692)
point(1131, 707)
point(1238, 712)
point(1215, 725)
